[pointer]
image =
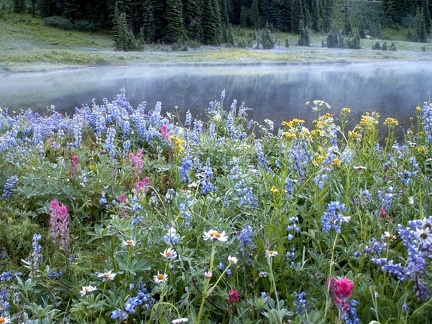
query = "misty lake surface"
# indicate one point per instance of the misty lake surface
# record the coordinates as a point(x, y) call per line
point(276, 92)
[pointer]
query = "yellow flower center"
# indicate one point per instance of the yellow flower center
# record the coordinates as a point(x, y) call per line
point(160, 277)
point(2, 320)
point(215, 234)
point(168, 254)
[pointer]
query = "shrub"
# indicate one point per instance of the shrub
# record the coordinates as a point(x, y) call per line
point(58, 22)
point(85, 26)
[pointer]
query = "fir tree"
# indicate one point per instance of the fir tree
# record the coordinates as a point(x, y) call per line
point(19, 6)
point(191, 19)
point(73, 10)
point(421, 27)
point(174, 21)
point(123, 38)
point(209, 23)
point(148, 29)
point(255, 14)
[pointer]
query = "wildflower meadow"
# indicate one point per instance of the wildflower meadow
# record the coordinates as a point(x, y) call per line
point(121, 214)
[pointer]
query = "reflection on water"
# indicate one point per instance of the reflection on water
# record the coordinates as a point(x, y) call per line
point(276, 92)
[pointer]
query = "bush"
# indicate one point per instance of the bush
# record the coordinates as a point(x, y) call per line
point(376, 46)
point(85, 26)
point(58, 22)
point(392, 47)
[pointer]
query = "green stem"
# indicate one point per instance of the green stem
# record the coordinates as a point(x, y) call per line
point(206, 285)
point(327, 305)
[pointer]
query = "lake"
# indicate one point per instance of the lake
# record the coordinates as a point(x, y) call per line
point(276, 92)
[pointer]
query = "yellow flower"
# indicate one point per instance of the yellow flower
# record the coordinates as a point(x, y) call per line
point(274, 189)
point(337, 162)
point(423, 149)
point(391, 122)
point(345, 111)
point(418, 108)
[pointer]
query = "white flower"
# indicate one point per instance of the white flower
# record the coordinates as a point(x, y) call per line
point(180, 320)
point(215, 235)
point(107, 275)
point(424, 235)
point(160, 278)
point(263, 274)
point(129, 243)
point(208, 274)
point(86, 290)
point(270, 253)
point(390, 235)
point(411, 200)
point(169, 253)
point(5, 319)
point(232, 259)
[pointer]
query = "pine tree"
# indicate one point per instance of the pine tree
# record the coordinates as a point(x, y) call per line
point(19, 6)
point(209, 23)
point(174, 21)
point(347, 23)
point(73, 10)
point(304, 38)
point(49, 8)
point(427, 15)
point(255, 15)
point(191, 19)
point(123, 38)
point(421, 27)
point(148, 28)
point(296, 15)
point(328, 14)
point(224, 15)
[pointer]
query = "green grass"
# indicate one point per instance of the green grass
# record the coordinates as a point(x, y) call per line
point(26, 43)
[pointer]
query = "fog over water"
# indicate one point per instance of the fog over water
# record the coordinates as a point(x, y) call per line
point(276, 92)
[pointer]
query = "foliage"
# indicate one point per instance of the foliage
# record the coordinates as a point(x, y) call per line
point(58, 22)
point(219, 221)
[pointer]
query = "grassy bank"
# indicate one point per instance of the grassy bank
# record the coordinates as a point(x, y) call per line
point(27, 44)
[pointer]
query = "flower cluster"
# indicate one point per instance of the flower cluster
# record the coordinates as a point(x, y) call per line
point(59, 225)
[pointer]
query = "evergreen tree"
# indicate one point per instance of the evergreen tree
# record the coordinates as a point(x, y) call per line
point(191, 19)
point(296, 15)
point(148, 28)
point(123, 38)
point(427, 15)
point(19, 6)
point(33, 8)
point(73, 10)
point(255, 15)
point(49, 8)
point(174, 21)
point(209, 25)
point(347, 23)
point(304, 38)
point(421, 27)
point(224, 15)
point(328, 14)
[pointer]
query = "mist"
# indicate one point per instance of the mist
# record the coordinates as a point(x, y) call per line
point(276, 92)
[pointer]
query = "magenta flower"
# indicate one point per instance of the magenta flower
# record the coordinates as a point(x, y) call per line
point(137, 161)
point(59, 224)
point(340, 292)
point(74, 165)
point(233, 296)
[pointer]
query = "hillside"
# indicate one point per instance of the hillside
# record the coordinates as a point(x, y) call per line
point(26, 43)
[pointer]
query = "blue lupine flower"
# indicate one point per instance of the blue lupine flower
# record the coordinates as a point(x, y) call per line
point(207, 174)
point(9, 187)
point(109, 141)
point(427, 121)
point(300, 302)
point(351, 316)
point(333, 218)
point(188, 120)
point(245, 238)
point(185, 166)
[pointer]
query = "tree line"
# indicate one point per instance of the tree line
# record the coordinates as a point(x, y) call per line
point(211, 21)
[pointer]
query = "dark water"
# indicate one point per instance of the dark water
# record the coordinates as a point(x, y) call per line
point(276, 92)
